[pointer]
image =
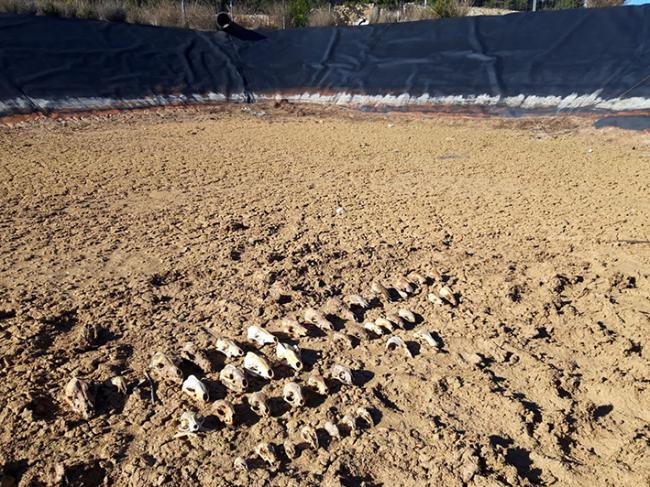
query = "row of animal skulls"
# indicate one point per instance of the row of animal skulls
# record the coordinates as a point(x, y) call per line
point(191, 423)
point(77, 392)
point(405, 288)
point(166, 369)
point(343, 307)
point(234, 379)
point(79, 396)
point(224, 410)
point(258, 365)
point(268, 452)
point(255, 364)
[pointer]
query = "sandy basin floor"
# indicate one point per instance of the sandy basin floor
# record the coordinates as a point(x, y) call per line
point(134, 233)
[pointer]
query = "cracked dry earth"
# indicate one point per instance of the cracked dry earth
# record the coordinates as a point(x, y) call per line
point(124, 235)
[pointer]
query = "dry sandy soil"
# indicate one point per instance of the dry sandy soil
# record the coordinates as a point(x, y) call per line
point(170, 226)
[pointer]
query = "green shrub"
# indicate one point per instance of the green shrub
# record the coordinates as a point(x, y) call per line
point(112, 12)
point(322, 17)
point(88, 12)
point(165, 14)
point(69, 8)
point(18, 7)
point(298, 12)
point(418, 12)
point(449, 8)
point(564, 4)
point(50, 9)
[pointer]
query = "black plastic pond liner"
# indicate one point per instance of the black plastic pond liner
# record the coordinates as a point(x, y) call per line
point(584, 59)
point(627, 122)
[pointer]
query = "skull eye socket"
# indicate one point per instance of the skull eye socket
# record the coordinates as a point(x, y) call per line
point(160, 365)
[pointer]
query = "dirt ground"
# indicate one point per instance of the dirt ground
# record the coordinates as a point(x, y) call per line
point(123, 235)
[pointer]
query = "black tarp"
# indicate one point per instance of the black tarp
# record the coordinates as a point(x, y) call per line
point(598, 56)
point(555, 53)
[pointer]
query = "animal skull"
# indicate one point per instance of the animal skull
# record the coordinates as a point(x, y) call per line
point(373, 327)
point(291, 354)
point(224, 411)
point(317, 382)
point(196, 389)
point(395, 342)
point(290, 449)
point(417, 277)
point(258, 366)
point(229, 348)
point(395, 319)
point(240, 464)
point(78, 394)
point(266, 451)
point(428, 338)
point(317, 318)
point(190, 423)
point(342, 374)
point(334, 306)
point(447, 294)
point(385, 324)
point(165, 368)
point(292, 328)
point(259, 403)
point(332, 430)
point(365, 416)
point(309, 436)
point(349, 422)
point(292, 393)
point(406, 314)
point(260, 336)
point(233, 378)
point(192, 354)
point(380, 290)
point(404, 286)
point(357, 300)
point(120, 384)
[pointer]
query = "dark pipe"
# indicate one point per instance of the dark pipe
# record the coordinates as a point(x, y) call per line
point(223, 21)
point(232, 28)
